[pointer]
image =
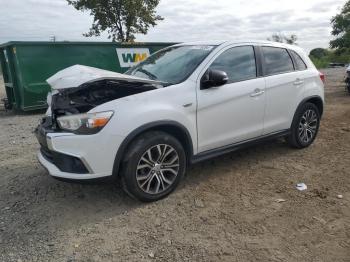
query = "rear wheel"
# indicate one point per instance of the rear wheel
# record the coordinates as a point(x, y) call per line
point(305, 126)
point(153, 166)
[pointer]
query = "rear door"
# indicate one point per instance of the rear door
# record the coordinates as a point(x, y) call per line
point(233, 112)
point(284, 87)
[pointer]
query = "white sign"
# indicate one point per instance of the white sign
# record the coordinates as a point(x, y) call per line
point(129, 57)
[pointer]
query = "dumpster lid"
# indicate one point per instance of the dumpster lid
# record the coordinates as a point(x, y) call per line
point(77, 75)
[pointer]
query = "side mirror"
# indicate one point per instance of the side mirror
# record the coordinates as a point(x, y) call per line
point(213, 78)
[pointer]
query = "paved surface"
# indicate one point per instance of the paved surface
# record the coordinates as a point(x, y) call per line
point(226, 209)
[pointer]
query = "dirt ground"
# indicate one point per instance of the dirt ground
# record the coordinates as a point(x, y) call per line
point(240, 207)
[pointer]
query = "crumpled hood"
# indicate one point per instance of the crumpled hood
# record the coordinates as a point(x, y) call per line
point(77, 75)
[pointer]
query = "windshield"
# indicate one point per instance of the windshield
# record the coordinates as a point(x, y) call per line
point(171, 65)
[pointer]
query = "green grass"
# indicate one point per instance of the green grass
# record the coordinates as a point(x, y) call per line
point(320, 63)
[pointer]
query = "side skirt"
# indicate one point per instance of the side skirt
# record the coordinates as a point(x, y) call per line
point(234, 147)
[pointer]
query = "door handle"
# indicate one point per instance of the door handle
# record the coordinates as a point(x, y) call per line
point(187, 105)
point(298, 82)
point(257, 92)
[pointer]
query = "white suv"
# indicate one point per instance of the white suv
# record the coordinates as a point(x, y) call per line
point(182, 105)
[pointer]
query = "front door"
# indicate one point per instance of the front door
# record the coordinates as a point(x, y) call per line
point(233, 112)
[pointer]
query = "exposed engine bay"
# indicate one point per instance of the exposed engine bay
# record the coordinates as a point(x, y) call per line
point(77, 89)
point(87, 96)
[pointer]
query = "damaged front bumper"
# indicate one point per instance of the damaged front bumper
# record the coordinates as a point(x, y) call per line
point(71, 156)
point(76, 141)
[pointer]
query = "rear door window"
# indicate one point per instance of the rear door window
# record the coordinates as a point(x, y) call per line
point(277, 60)
point(237, 62)
point(299, 63)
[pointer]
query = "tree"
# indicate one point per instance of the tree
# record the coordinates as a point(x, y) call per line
point(292, 39)
point(341, 28)
point(281, 38)
point(122, 19)
point(319, 53)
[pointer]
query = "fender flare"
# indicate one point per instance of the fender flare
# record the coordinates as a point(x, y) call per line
point(313, 99)
point(308, 99)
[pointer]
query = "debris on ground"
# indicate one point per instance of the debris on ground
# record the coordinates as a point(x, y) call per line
point(280, 200)
point(321, 220)
point(301, 186)
point(198, 203)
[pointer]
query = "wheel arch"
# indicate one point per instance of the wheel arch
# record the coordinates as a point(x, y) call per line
point(316, 100)
point(171, 127)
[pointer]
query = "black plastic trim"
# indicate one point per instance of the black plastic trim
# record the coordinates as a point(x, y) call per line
point(234, 147)
point(310, 98)
point(292, 58)
point(63, 162)
point(147, 127)
point(295, 62)
point(258, 61)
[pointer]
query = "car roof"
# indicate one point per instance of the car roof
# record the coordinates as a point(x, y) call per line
point(241, 42)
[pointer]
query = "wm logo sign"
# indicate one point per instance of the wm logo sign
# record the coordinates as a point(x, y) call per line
point(129, 57)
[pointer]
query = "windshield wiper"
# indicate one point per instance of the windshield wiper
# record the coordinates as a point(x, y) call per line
point(149, 74)
point(165, 84)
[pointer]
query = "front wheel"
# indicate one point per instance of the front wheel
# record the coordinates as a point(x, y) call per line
point(153, 166)
point(305, 126)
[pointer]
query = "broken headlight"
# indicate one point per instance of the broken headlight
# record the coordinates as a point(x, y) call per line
point(89, 123)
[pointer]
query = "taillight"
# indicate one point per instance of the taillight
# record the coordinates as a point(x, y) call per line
point(323, 78)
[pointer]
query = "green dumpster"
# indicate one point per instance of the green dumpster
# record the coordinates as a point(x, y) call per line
point(26, 65)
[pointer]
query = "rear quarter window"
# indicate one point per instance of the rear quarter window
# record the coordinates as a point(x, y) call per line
point(277, 60)
point(298, 61)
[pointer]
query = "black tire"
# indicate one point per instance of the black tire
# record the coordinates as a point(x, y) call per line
point(132, 159)
point(297, 137)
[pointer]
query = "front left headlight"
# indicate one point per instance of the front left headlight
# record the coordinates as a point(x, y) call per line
point(89, 123)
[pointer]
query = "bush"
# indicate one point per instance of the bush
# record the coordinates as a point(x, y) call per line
point(319, 53)
point(320, 62)
point(322, 57)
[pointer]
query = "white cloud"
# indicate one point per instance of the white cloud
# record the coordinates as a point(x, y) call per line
point(185, 20)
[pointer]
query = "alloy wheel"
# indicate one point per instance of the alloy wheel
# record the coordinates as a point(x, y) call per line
point(308, 126)
point(157, 169)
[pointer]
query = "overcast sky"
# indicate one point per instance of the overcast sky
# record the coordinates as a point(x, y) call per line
point(185, 20)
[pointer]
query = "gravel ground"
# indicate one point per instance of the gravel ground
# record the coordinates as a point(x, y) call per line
point(240, 207)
